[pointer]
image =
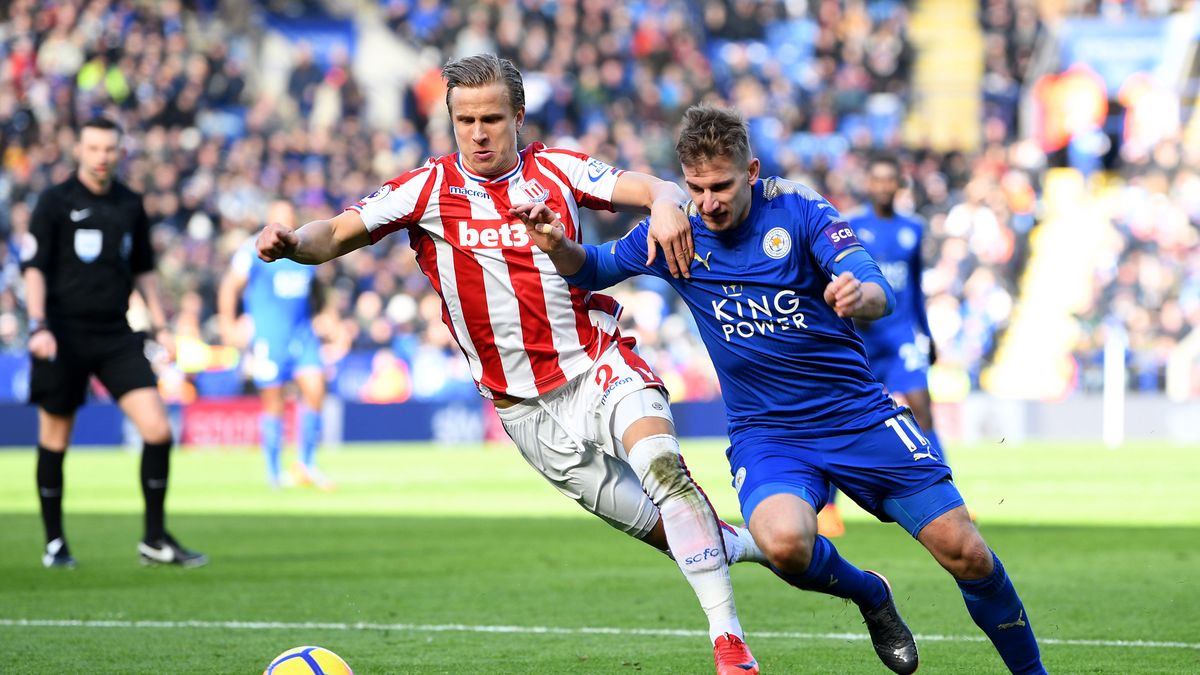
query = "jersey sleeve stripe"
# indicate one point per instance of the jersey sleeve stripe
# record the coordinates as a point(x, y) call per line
point(583, 198)
point(418, 210)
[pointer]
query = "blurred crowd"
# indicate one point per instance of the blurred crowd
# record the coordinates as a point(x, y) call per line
point(221, 117)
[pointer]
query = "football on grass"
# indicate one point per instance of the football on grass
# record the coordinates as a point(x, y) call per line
point(308, 661)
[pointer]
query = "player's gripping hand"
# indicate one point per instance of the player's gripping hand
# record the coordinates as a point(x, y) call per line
point(671, 229)
point(543, 226)
point(276, 241)
point(844, 294)
point(42, 345)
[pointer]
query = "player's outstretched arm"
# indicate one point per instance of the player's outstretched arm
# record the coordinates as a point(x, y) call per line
point(548, 233)
point(316, 242)
point(669, 226)
point(854, 299)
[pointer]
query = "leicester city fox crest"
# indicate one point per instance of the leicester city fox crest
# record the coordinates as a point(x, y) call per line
point(777, 243)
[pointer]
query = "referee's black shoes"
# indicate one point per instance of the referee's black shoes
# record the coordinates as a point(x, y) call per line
point(57, 555)
point(167, 551)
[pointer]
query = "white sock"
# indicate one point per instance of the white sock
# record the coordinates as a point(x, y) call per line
point(740, 545)
point(691, 527)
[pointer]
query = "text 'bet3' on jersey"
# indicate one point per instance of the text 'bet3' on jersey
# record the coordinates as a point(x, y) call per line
point(785, 360)
point(894, 243)
point(277, 294)
point(524, 330)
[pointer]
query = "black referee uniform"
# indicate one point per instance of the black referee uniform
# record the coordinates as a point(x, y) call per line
point(90, 248)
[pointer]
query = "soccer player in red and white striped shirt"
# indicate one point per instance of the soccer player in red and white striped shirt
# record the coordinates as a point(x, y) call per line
point(583, 408)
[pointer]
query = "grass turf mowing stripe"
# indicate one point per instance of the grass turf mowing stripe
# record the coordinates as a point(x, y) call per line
point(535, 630)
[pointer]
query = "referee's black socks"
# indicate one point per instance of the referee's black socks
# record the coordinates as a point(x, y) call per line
point(156, 463)
point(50, 489)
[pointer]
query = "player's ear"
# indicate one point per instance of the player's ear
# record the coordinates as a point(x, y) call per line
point(752, 170)
point(520, 118)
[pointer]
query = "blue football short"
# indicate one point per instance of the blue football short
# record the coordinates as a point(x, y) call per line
point(280, 357)
point(889, 470)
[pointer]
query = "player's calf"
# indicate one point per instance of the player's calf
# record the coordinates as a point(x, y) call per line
point(691, 528)
point(957, 545)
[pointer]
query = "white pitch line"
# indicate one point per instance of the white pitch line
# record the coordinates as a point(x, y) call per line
point(539, 630)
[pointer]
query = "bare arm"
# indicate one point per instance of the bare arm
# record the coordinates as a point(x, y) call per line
point(853, 299)
point(227, 298)
point(147, 284)
point(42, 344)
point(316, 242)
point(35, 295)
point(669, 227)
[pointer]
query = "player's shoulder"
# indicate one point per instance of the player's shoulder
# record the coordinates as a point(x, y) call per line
point(860, 214)
point(778, 190)
point(537, 149)
point(912, 219)
point(124, 192)
point(570, 160)
point(433, 164)
point(56, 194)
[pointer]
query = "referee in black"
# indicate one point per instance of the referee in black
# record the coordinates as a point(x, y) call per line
point(92, 247)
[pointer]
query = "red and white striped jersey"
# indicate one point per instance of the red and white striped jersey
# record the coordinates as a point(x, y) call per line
point(523, 329)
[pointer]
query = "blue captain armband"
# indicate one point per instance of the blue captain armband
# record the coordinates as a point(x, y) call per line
point(864, 268)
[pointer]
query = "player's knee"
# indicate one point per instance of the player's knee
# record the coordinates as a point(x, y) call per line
point(657, 463)
point(788, 549)
point(157, 432)
point(968, 558)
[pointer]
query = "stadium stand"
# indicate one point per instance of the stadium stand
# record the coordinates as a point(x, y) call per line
point(229, 103)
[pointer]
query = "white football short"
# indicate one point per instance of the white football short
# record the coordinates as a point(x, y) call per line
point(572, 436)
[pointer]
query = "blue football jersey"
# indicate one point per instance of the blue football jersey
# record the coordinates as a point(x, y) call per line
point(894, 243)
point(785, 360)
point(277, 294)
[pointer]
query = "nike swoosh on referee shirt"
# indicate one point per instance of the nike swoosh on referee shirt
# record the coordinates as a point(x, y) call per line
point(78, 215)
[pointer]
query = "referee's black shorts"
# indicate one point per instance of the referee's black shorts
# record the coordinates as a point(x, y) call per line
point(116, 357)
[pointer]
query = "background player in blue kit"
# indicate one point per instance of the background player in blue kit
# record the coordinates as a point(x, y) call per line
point(278, 300)
point(804, 409)
point(899, 347)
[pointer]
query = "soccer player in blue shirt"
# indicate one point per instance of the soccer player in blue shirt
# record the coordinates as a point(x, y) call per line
point(277, 298)
point(779, 277)
point(898, 345)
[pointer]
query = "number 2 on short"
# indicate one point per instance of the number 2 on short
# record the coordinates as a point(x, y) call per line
point(604, 376)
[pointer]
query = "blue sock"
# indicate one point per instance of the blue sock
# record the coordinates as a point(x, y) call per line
point(829, 573)
point(993, 604)
point(310, 435)
point(272, 443)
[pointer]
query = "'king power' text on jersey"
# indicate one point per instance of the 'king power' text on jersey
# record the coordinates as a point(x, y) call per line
point(523, 329)
point(785, 360)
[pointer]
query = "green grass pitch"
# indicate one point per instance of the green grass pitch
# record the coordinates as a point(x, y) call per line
point(462, 560)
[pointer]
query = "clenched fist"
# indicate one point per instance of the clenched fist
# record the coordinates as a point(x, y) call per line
point(276, 241)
